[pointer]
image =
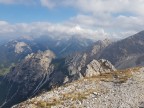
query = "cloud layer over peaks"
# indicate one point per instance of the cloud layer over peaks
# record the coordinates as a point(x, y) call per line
point(48, 29)
point(93, 18)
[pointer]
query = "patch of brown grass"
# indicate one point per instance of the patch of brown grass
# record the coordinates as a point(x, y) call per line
point(45, 104)
point(119, 76)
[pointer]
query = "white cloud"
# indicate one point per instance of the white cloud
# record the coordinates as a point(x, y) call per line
point(47, 3)
point(100, 6)
point(90, 6)
point(49, 29)
point(3, 23)
point(115, 16)
point(129, 23)
point(7, 1)
point(17, 1)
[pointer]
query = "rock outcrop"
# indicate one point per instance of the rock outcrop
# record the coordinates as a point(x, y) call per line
point(80, 65)
point(95, 68)
point(20, 47)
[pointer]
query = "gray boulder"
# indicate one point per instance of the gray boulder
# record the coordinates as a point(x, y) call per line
point(95, 68)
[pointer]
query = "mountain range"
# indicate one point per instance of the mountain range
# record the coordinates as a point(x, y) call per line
point(32, 65)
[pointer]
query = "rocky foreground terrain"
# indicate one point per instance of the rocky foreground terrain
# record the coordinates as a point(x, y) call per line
point(118, 89)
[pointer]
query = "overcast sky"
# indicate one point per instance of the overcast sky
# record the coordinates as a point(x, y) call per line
point(96, 19)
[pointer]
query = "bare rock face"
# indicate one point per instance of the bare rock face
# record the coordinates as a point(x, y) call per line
point(95, 68)
point(15, 51)
point(33, 64)
point(99, 46)
point(125, 53)
point(26, 78)
point(76, 63)
point(106, 66)
point(20, 47)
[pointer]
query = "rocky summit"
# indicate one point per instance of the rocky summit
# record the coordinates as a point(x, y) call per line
point(119, 89)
